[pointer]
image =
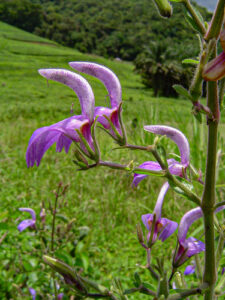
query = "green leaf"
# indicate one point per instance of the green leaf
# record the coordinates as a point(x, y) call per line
point(198, 116)
point(190, 61)
point(178, 190)
point(182, 91)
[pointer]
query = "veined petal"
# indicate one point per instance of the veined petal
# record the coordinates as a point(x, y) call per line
point(30, 211)
point(59, 133)
point(186, 221)
point(215, 69)
point(108, 78)
point(159, 202)
point(194, 246)
point(168, 229)
point(111, 113)
point(78, 84)
point(177, 136)
point(190, 269)
point(147, 220)
point(26, 223)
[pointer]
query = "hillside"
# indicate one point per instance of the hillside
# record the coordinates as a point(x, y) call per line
point(107, 28)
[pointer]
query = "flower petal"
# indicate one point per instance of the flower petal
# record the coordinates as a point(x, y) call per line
point(26, 223)
point(30, 211)
point(147, 220)
point(186, 221)
point(59, 133)
point(33, 293)
point(159, 203)
point(108, 78)
point(78, 84)
point(177, 136)
point(194, 246)
point(215, 69)
point(169, 228)
point(190, 269)
point(148, 165)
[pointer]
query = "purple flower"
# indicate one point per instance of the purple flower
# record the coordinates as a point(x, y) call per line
point(112, 84)
point(163, 227)
point(60, 296)
point(29, 222)
point(64, 132)
point(190, 269)
point(33, 293)
point(175, 167)
point(190, 246)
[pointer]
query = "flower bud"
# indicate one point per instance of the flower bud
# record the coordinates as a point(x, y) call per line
point(164, 8)
point(140, 234)
point(215, 69)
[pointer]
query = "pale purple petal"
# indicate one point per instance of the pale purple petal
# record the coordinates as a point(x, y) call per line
point(26, 223)
point(190, 269)
point(61, 133)
point(111, 113)
point(147, 220)
point(177, 136)
point(78, 84)
point(194, 246)
point(186, 221)
point(30, 211)
point(169, 228)
point(60, 296)
point(159, 203)
point(108, 78)
point(148, 165)
point(223, 270)
point(33, 293)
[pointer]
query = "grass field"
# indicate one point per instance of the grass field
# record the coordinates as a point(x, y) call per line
point(100, 199)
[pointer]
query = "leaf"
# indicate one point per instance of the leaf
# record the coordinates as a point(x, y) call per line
point(198, 116)
point(190, 61)
point(178, 190)
point(182, 91)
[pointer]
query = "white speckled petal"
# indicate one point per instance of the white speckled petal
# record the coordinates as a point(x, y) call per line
point(177, 136)
point(108, 78)
point(78, 84)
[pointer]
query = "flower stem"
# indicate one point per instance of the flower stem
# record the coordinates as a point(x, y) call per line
point(208, 198)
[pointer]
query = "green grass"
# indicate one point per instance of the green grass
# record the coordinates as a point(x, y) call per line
point(101, 199)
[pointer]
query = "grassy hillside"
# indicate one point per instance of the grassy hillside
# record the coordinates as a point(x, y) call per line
point(101, 199)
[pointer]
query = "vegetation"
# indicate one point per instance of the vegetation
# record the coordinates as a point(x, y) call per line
point(103, 201)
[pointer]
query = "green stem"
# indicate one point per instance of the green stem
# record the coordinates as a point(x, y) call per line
point(197, 20)
point(208, 198)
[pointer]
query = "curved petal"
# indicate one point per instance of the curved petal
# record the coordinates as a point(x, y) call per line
point(111, 113)
point(26, 223)
point(177, 136)
point(168, 228)
point(186, 221)
point(148, 165)
point(159, 203)
point(59, 133)
point(108, 78)
point(194, 246)
point(30, 211)
point(78, 84)
point(190, 269)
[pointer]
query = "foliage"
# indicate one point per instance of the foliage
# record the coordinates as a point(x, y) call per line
point(107, 28)
point(160, 69)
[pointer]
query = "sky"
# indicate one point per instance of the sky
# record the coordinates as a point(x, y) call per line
point(210, 4)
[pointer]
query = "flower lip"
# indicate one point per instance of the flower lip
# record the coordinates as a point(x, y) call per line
point(175, 135)
point(107, 77)
point(30, 211)
point(78, 84)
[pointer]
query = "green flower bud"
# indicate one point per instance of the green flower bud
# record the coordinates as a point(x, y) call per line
point(164, 8)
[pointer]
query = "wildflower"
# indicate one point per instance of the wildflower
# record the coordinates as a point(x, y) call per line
point(175, 167)
point(108, 117)
point(163, 227)
point(190, 246)
point(69, 130)
point(215, 69)
point(29, 222)
point(33, 293)
point(190, 269)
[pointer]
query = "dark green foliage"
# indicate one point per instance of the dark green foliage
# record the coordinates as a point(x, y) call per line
point(108, 28)
point(160, 68)
point(21, 13)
